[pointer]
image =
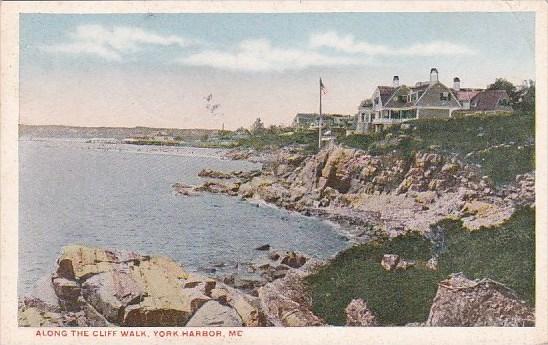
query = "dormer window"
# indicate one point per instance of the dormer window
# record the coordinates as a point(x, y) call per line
point(444, 96)
point(504, 102)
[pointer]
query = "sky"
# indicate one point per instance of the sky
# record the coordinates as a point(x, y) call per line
point(209, 70)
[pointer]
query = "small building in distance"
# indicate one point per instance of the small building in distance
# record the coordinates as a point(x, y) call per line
point(304, 121)
point(430, 99)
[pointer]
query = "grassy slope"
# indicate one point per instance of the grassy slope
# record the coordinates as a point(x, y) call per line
point(505, 254)
point(460, 136)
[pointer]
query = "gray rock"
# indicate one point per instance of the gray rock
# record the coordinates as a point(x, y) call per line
point(359, 314)
point(405, 264)
point(111, 292)
point(463, 302)
point(293, 260)
point(432, 264)
point(286, 303)
point(390, 261)
point(65, 289)
point(214, 314)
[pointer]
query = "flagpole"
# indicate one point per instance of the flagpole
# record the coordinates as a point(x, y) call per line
point(320, 119)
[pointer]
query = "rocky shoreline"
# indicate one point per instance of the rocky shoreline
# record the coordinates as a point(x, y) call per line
point(107, 287)
point(374, 196)
point(370, 197)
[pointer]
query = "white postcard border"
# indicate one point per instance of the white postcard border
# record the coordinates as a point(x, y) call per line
point(10, 333)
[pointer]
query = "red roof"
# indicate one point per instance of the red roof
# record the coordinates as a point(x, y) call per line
point(465, 95)
point(488, 99)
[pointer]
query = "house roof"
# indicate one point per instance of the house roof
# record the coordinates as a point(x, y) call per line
point(366, 103)
point(420, 87)
point(465, 94)
point(488, 99)
point(386, 92)
point(395, 102)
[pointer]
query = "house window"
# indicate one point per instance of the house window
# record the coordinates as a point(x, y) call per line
point(444, 96)
point(414, 96)
point(503, 102)
point(420, 93)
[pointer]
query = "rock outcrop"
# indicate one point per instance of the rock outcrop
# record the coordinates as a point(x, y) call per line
point(214, 314)
point(372, 196)
point(462, 302)
point(99, 287)
point(286, 301)
point(359, 314)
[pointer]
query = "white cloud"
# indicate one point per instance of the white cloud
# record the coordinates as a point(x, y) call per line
point(112, 43)
point(260, 56)
point(348, 44)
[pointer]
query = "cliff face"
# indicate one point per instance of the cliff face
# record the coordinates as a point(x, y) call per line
point(390, 193)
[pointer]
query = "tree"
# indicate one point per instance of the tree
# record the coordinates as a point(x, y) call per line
point(257, 126)
point(503, 84)
point(526, 97)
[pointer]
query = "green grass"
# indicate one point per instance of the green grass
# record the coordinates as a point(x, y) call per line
point(504, 163)
point(460, 136)
point(505, 254)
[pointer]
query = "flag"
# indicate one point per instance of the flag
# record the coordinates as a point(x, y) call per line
point(323, 90)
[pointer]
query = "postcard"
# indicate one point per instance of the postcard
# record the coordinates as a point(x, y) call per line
point(257, 172)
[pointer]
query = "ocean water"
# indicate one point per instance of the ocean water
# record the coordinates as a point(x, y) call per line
point(121, 196)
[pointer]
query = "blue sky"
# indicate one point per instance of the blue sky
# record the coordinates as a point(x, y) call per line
point(156, 70)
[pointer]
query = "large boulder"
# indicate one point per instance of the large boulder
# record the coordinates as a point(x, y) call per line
point(106, 287)
point(359, 314)
point(214, 314)
point(111, 292)
point(163, 302)
point(335, 173)
point(247, 307)
point(463, 302)
point(286, 302)
point(80, 262)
